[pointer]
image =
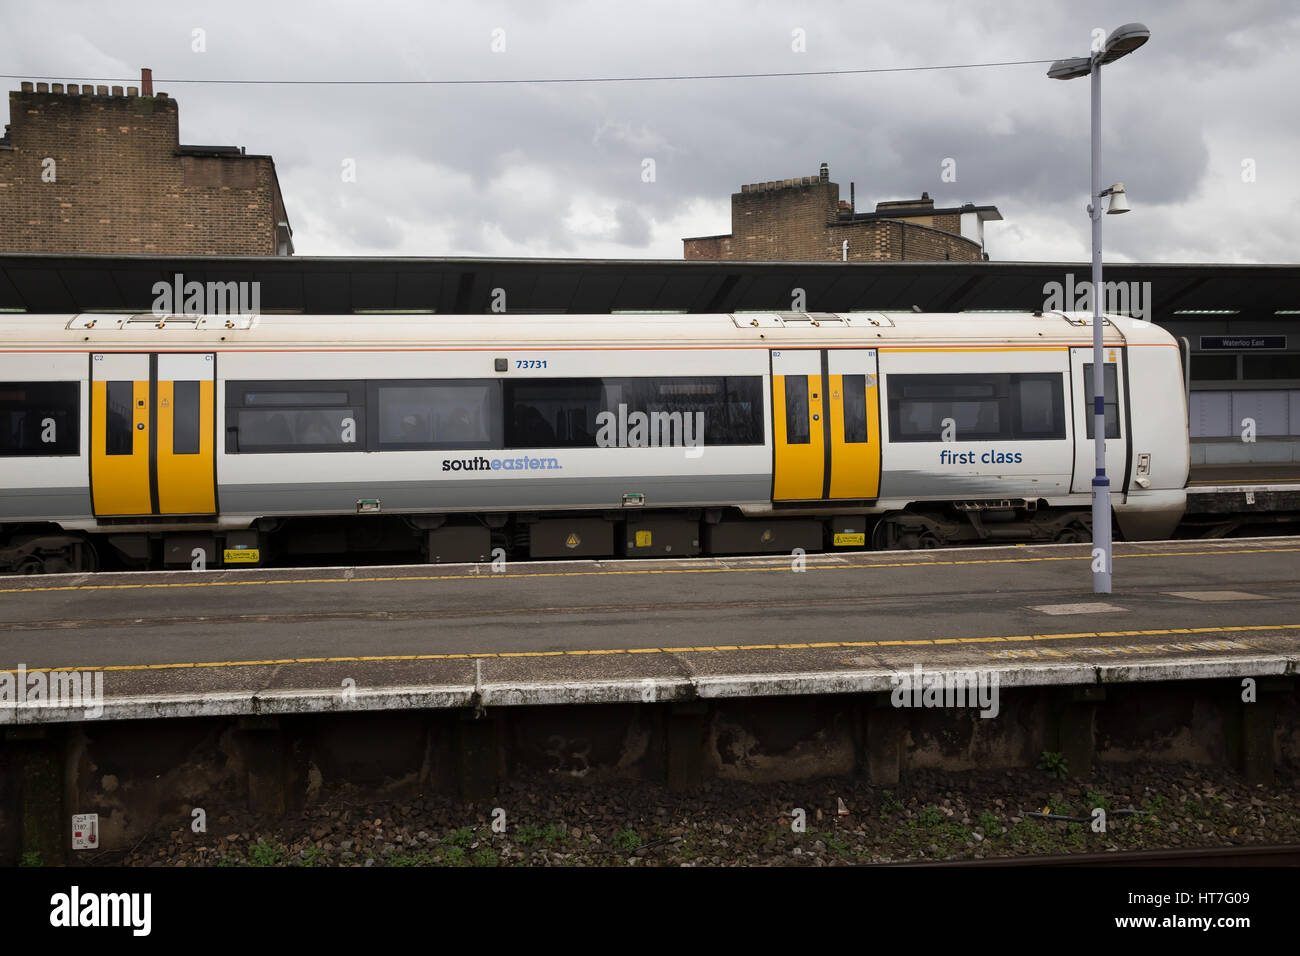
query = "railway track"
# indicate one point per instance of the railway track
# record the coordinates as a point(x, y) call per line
point(1281, 855)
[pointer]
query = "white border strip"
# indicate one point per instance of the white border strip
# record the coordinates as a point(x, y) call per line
point(628, 691)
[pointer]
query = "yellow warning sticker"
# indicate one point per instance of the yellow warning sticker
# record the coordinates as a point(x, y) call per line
point(643, 539)
point(241, 556)
point(572, 541)
point(847, 540)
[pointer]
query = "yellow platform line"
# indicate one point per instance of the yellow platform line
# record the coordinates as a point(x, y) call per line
point(630, 571)
point(712, 648)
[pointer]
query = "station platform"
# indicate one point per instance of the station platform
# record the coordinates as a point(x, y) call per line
point(267, 641)
point(1228, 498)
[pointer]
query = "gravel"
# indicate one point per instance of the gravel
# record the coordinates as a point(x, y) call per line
point(933, 815)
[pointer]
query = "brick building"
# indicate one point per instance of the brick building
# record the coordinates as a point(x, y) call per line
point(805, 219)
point(98, 171)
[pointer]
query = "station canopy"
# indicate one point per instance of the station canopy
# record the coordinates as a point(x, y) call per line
point(45, 283)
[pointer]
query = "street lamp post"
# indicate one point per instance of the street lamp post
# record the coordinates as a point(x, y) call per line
point(1121, 42)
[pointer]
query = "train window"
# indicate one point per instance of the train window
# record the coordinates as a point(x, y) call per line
point(552, 413)
point(855, 409)
point(594, 412)
point(722, 410)
point(268, 417)
point(185, 418)
point(119, 435)
point(954, 407)
point(1111, 383)
point(977, 407)
point(39, 418)
point(1039, 406)
point(298, 429)
point(288, 397)
point(796, 410)
point(425, 415)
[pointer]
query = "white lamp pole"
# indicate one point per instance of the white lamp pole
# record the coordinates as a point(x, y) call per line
point(1122, 41)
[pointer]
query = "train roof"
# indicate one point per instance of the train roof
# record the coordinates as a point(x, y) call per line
point(146, 331)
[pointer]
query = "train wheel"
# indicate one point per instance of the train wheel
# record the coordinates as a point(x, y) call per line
point(929, 539)
point(1072, 535)
point(29, 565)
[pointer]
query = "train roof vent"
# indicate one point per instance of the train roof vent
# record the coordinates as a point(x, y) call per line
point(792, 320)
point(756, 320)
point(146, 320)
point(1080, 319)
point(804, 320)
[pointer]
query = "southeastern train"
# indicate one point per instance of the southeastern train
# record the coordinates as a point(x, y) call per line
point(209, 441)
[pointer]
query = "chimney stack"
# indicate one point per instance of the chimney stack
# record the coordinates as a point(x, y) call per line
point(146, 81)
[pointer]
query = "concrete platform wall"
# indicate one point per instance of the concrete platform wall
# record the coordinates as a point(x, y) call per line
point(145, 776)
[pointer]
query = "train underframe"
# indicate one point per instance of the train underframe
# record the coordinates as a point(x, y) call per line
point(497, 536)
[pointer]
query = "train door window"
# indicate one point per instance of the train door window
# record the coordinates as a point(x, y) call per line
point(855, 408)
point(430, 415)
point(40, 418)
point(119, 436)
point(1111, 386)
point(552, 413)
point(797, 424)
point(185, 418)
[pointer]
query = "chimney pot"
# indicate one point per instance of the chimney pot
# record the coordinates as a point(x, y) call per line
point(162, 96)
point(133, 91)
point(101, 90)
point(117, 91)
point(56, 88)
point(27, 87)
point(42, 87)
point(146, 81)
point(74, 88)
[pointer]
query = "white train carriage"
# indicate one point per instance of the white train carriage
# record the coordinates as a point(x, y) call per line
point(159, 439)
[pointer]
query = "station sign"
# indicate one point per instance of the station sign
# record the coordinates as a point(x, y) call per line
point(1214, 343)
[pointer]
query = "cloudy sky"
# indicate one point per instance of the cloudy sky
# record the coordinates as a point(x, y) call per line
point(1202, 124)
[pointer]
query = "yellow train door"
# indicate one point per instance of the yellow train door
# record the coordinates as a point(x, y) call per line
point(153, 427)
point(853, 424)
point(797, 425)
point(186, 434)
point(826, 425)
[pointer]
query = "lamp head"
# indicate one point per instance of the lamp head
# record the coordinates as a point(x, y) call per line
point(1118, 200)
point(1123, 41)
point(1070, 68)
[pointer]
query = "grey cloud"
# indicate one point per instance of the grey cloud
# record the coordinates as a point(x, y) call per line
point(1212, 83)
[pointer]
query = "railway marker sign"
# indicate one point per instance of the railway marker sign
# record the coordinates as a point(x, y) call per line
point(85, 831)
